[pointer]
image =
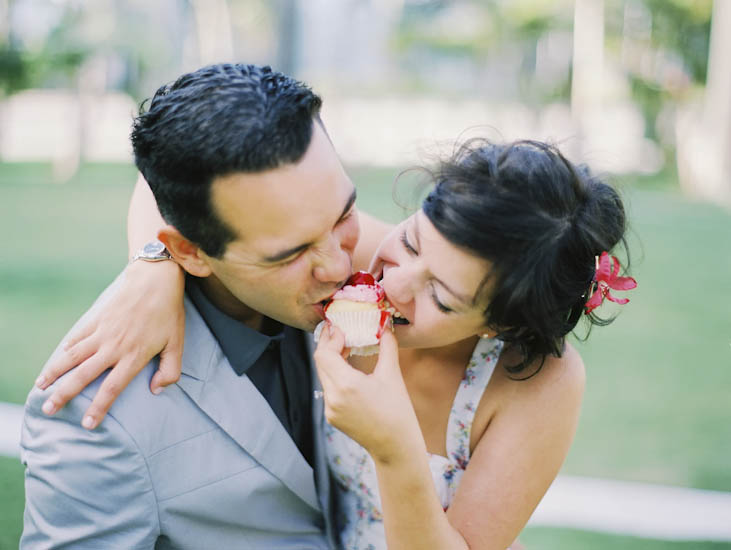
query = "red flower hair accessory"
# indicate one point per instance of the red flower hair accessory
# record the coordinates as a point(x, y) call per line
point(605, 278)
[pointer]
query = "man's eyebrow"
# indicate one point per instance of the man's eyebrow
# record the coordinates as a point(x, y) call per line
point(457, 295)
point(348, 205)
point(286, 253)
point(279, 256)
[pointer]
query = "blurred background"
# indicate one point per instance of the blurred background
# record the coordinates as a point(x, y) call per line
point(638, 89)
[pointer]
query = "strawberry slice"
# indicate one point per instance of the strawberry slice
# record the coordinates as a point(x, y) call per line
point(361, 278)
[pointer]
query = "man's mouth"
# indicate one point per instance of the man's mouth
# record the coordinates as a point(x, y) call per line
point(320, 307)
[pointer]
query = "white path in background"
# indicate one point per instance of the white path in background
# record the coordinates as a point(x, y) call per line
point(11, 416)
point(639, 509)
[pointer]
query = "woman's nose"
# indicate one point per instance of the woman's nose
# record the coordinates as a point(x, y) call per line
point(399, 282)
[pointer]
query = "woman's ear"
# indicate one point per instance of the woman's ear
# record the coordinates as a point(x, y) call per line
point(188, 255)
point(487, 332)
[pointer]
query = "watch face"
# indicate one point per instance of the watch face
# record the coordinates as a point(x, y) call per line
point(154, 248)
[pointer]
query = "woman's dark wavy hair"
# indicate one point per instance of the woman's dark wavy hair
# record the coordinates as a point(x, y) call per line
point(215, 121)
point(540, 221)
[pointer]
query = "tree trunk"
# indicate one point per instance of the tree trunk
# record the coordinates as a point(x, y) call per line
point(588, 58)
point(213, 27)
point(704, 134)
point(288, 37)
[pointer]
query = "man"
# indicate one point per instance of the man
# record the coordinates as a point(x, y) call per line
point(261, 216)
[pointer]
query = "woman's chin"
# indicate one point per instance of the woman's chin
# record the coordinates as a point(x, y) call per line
point(406, 338)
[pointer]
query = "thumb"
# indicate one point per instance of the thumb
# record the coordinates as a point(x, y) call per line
point(328, 357)
point(168, 371)
point(331, 338)
point(388, 361)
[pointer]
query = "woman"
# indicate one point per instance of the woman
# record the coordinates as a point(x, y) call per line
point(453, 437)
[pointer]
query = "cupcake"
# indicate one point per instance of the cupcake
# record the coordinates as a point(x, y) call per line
point(360, 310)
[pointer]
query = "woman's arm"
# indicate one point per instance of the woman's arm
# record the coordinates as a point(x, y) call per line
point(520, 453)
point(372, 233)
point(140, 316)
point(143, 218)
point(375, 410)
point(513, 464)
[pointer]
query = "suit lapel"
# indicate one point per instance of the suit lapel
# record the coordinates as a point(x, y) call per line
point(322, 471)
point(235, 404)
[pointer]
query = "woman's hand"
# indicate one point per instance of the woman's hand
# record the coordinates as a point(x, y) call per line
point(142, 317)
point(373, 409)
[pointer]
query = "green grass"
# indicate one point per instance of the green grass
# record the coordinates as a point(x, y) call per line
point(656, 407)
point(543, 538)
point(61, 245)
point(11, 502)
point(658, 379)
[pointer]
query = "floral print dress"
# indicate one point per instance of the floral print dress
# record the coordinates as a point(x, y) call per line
point(360, 521)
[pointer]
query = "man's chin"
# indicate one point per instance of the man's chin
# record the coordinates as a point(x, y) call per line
point(306, 320)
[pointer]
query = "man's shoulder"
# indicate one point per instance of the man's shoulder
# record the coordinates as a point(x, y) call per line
point(150, 421)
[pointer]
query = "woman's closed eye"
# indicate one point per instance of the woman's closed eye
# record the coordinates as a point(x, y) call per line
point(405, 241)
point(440, 306)
point(437, 302)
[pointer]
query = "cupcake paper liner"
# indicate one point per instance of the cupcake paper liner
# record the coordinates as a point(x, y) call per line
point(361, 328)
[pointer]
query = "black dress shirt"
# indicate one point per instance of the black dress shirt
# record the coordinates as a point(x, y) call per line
point(275, 359)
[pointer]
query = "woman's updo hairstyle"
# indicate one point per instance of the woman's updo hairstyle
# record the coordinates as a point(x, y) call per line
point(540, 221)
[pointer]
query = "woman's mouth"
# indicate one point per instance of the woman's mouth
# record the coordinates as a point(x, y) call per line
point(396, 317)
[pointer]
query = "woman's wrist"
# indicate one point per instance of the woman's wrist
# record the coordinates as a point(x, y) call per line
point(141, 273)
point(399, 452)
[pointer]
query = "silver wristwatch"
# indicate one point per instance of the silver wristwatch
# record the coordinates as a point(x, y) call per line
point(154, 251)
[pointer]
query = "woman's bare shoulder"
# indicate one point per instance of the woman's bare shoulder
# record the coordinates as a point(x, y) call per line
point(567, 371)
point(556, 379)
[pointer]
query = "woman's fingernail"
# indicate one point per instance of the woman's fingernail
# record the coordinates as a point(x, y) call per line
point(65, 345)
point(48, 407)
point(157, 390)
point(88, 422)
point(41, 381)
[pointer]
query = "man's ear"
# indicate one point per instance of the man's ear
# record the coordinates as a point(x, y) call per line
point(188, 255)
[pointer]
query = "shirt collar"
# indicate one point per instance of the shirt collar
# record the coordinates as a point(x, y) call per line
point(242, 345)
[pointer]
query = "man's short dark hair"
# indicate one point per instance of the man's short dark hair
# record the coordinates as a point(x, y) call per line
point(216, 121)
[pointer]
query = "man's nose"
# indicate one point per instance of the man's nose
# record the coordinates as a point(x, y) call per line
point(335, 263)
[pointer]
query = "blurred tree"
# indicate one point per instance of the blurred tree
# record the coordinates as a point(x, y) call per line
point(516, 49)
point(704, 128)
point(213, 30)
point(39, 63)
point(52, 60)
point(663, 47)
point(13, 69)
point(288, 36)
point(489, 40)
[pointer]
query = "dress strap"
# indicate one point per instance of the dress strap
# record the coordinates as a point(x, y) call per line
point(475, 380)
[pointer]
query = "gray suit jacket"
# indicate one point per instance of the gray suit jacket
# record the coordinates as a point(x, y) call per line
point(204, 465)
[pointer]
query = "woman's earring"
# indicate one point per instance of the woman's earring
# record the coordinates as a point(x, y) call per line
point(485, 335)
